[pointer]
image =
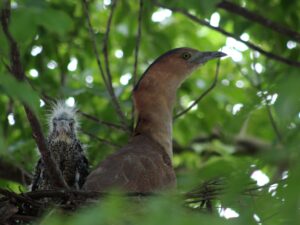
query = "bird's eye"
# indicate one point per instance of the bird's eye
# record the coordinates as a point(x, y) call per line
point(186, 55)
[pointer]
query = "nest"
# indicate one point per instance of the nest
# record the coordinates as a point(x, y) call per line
point(26, 207)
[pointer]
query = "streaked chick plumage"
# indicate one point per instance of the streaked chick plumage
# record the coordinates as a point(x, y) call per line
point(65, 149)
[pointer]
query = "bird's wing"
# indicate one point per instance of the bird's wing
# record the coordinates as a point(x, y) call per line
point(133, 169)
point(82, 166)
point(37, 178)
point(83, 170)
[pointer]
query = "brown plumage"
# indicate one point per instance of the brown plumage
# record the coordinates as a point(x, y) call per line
point(140, 166)
point(144, 164)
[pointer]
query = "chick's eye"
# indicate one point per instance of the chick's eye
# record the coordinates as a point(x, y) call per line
point(186, 55)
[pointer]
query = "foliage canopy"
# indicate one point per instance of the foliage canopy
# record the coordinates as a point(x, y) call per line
point(247, 126)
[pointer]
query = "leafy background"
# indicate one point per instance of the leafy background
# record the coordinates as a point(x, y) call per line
point(230, 133)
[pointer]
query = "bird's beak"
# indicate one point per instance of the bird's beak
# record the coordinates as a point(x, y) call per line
point(202, 57)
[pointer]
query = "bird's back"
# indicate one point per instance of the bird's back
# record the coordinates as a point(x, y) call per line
point(141, 166)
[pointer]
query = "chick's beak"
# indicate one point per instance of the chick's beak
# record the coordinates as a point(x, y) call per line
point(63, 127)
point(202, 57)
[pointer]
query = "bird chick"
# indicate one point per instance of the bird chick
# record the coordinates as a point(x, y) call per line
point(65, 148)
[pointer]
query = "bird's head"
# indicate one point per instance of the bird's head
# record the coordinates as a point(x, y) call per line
point(62, 123)
point(175, 65)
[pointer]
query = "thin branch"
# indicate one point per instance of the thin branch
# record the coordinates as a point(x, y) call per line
point(271, 216)
point(52, 168)
point(9, 110)
point(6, 65)
point(27, 196)
point(203, 194)
point(228, 34)
point(105, 43)
point(259, 87)
point(10, 171)
point(270, 115)
point(137, 43)
point(136, 53)
point(273, 122)
point(251, 15)
point(18, 72)
point(102, 122)
point(107, 83)
point(24, 218)
point(7, 210)
point(63, 75)
point(20, 197)
point(206, 92)
point(104, 141)
point(94, 43)
point(48, 100)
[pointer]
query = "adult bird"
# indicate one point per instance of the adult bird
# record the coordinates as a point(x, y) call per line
point(65, 149)
point(144, 165)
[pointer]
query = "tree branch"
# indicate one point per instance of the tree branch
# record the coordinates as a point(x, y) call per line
point(205, 192)
point(18, 73)
point(268, 54)
point(250, 15)
point(268, 108)
point(9, 171)
point(206, 92)
point(104, 141)
point(138, 41)
point(102, 122)
point(47, 99)
point(105, 43)
point(107, 83)
point(259, 87)
point(136, 53)
point(9, 110)
point(246, 145)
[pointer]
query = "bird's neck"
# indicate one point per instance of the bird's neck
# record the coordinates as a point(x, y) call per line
point(154, 100)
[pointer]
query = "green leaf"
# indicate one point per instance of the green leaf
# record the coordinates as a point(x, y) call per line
point(288, 102)
point(20, 91)
point(55, 21)
point(23, 24)
point(25, 21)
